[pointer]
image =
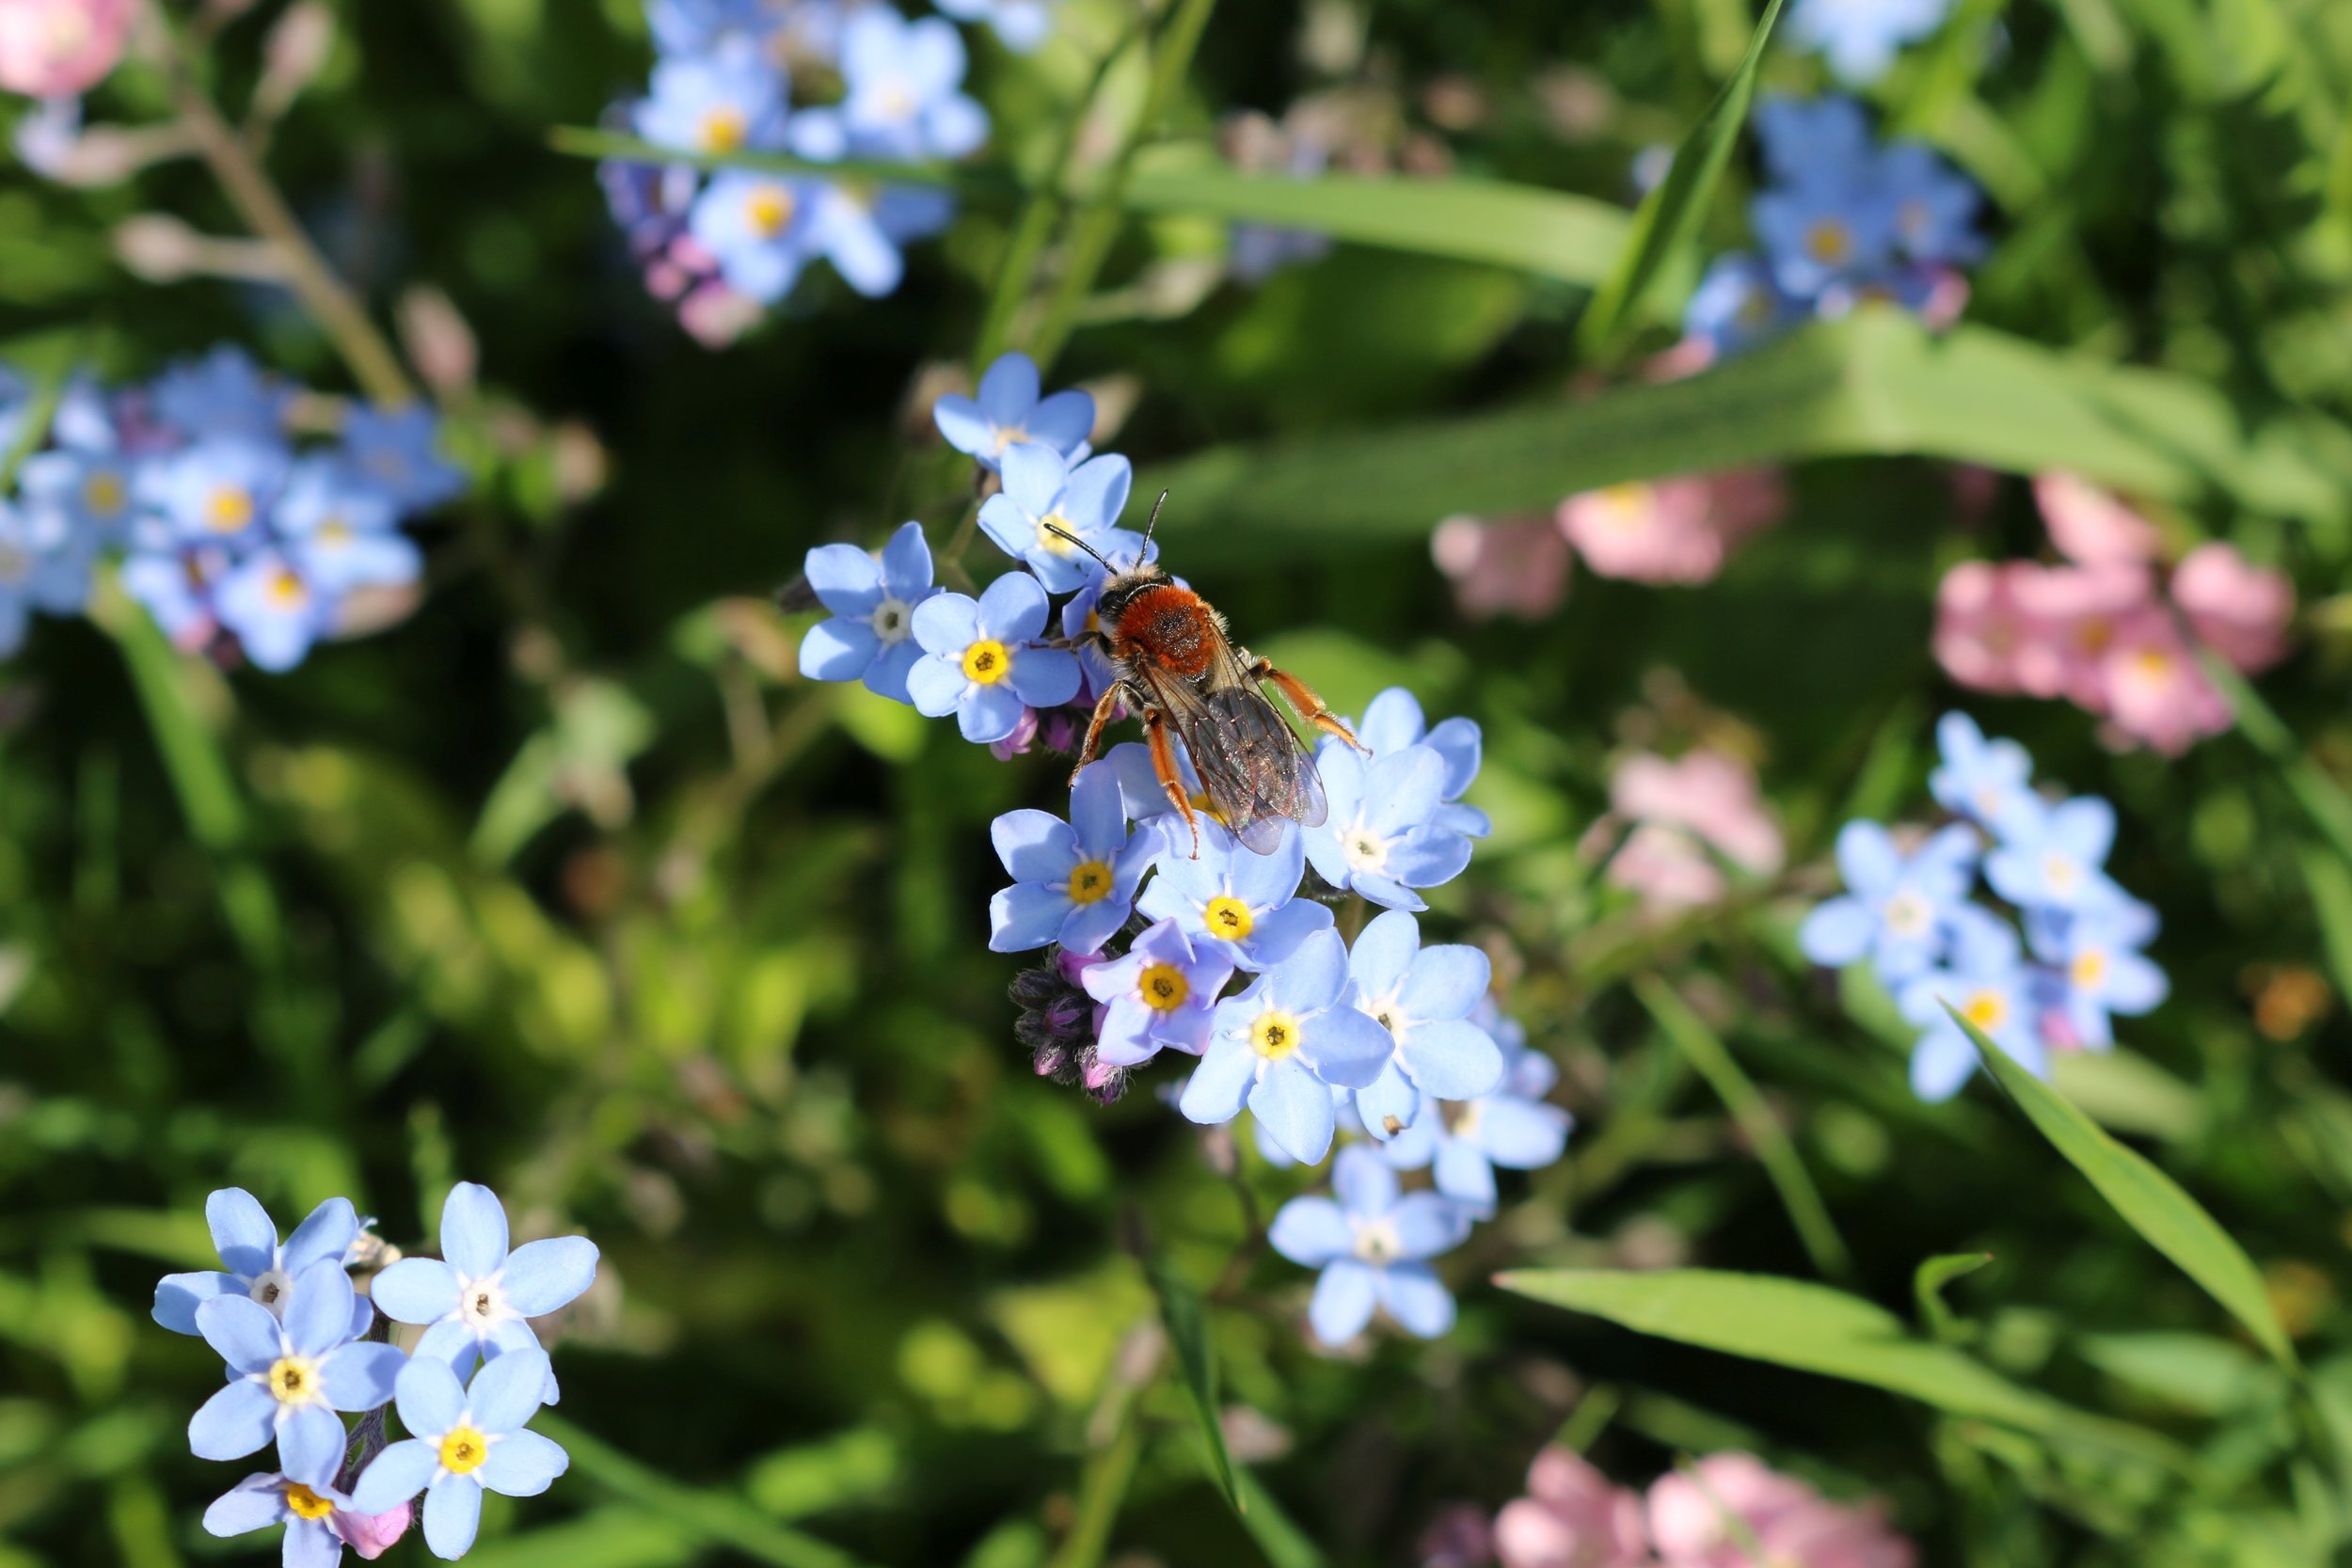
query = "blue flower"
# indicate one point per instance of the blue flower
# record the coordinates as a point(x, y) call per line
point(1234, 902)
point(1935, 205)
point(1163, 992)
point(2096, 968)
point(1074, 881)
point(253, 1263)
point(308, 1513)
point(1822, 229)
point(477, 1296)
point(1814, 138)
point(762, 228)
point(2050, 857)
point(1021, 25)
point(343, 532)
point(1736, 305)
point(16, 401)
point(176, 585)
point(860, 229)
point(86, 479)
point(288, 1378)
point(688, 27)
point(45, 565)
point(1423, 997)
point(1896, 907)
point(224, 394)
point(1009, 413)
point(1282, 1045)
point(394, 449)
point(1373, 1245)
point(717, 102)
point(464, 1440)
point(1980, 780)
point(904, 80)
point(1042, 492)
point(217, 490)
point(1379, 835)
point(1393, 720)
point(984, 665)
point(1860, 38)
point(275, 612)
point(1513, 1127)
point(871, 634)
point(1985, 981)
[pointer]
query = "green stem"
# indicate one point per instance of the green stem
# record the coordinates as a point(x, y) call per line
point(1102, 1491)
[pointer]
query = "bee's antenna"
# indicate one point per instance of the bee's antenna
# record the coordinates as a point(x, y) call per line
point(1065, 534)
point(1155, 522)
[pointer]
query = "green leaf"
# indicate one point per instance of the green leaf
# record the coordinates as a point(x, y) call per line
point(2195, 1372)
point(1875, 383)
point(1927, 1284)
point(2149, 1201)
point(1675, 205)
point(2125, 1092)
point(1187, 1321)
point(1278, 1535)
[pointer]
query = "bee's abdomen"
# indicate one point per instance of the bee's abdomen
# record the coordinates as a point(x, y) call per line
point(1169, 628)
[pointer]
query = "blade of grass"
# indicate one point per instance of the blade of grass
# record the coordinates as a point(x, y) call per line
point(1185, 1317)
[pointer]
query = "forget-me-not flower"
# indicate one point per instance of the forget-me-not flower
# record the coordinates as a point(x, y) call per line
point(1513, 1127)
point(224, 394)
point(217, 490)
point(477, 1296)
point(289, 1376)
point(1935, 206)
point(717, 102)
point(2096, 967)
point(1162, 992)
point(397, 450)
point(1985, 981)
point(1372, 1244)
point(1074, 881)
point(904, 81)
point(312, 1515)
point(873, 598)
point(2052, 857)
point(275, 612)
point(1282, 1045)
point(1379, 835)
point(1978, 779)
point(1043, 493)
point(1860, 38)
point(85, 478)
point(175, 585)
point(1896, 907)
point(1020, 24)
point(1423, 997)
point(760, 226)
point(462, 1441)
point(1009, 413)
point(983, 663)
point(1813, 138)
point(45, 565)
point(1819, 231)
point(1235, 902)
point(343, 532)
point(254, 1263)
point(1736, 305)
point(688, 27)
point(1393, 720)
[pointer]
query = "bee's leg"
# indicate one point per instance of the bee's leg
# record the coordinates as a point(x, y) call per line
point(1164, 768)
point(1103, 711)
point(1302, 697)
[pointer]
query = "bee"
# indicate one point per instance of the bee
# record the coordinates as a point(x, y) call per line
point(1177, 667)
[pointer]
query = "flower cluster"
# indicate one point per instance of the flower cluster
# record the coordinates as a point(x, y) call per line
point(1843, 220)
point(226, 529)
point(1677, 819)
point(302, 1344)
point(1210, 947)
point(1719, 1512)
point(1907, 911)
point(2106, 629)
point(821, 81)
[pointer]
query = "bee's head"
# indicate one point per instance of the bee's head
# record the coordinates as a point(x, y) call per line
point(1121, 588)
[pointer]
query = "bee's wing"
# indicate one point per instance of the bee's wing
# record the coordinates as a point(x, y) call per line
point(1256, 772)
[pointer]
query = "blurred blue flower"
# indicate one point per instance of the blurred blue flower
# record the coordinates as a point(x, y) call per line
point(84, 479)
point(175, 585)
point(341, 531)
point(477, 1296)
point(16, 401)
point(395, 451)
point(1021, 25)
point(1814, 138)
point(860, 230)
point(904, 80)
point(2096, 968)
point(269, 1498)
point(1042, 492)
point(1820, 229)
point(218, 489)
point(1009, 413)
point(225, 394)
point(1511, 1127)
point(688, 27)
point(1079, 620)
point(1736, 305)
point(1423, 997)
point(1935, 206)
point(1978, 779)
point(1896, 907)
point(1379, 835)
point(1234, 902)
point(45, 565)
point(1860, 38)
point(717, 102)
point(288, 1378)
point(1281, 1046)
point(1162, 992)
point(1985, 981)
point(463, 1440)
point(1074, 881)
point(761, 228)
point(2051, 857)
point(253, 1263)
point(277, 612)
point(1392, 722)
point(1373, 1246)
point(983, 664)
point(871, 634)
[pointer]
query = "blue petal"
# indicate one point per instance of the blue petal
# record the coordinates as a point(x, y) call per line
point(1386, 892)
point(1034, 845)
point(1043, 677)
point(1523, 1134)
point(1465, 1174)
point(1413, 1296)
point(1868, 860)
point(2084, 827)
point(317, 1308)
point(361, 1377)
point(1389, 1104)
point(241, 1331)
point(1452, 1059)
point(1344, 1301)
point(1393, 720)
point(1312, 1231)
point(989, 713)
point(2135, 984)
point(1311, 978)
point(311, 1442)
point(1459, 742)
point(1280, 933)
point(1063, 421)
point(310, 1544)
point(416, 1291)
point(1295, 1108)
point(1098, 813)
point(1344, 771)
point(1012, 608)
point(965, 427)
point(946, 623)
point(1009, 527)
point(453, 1517)
point(523, 1465)
point(1218, 1087)
point(505, 1394)
point(1009, 389)
point(1262, 882)
point(1402, 789)
point(1097, 493)
point(1087, 927)
point(1427, 1225)
point(242, 1231)
point(1025, 915)
point(1035, 475)
point(1384, 952)
point(846, 579)
point(547, 1275)
point(326, 1233)
point(234, 1422)
point(1346, 1048)
point(838, 649)
point(253, 1503)
point(1837, 933)
point(935, 686)
point(1940, 1063)
point(1427, 857)
point(887, 676)
point(178, 1296)
point(428, 1396)
point(473, 1229)
point(1364, 1183)
point(1445, 982)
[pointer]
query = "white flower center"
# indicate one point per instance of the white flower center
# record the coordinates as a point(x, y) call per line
point(269, 1288)
point(1376, 1241)
point(1051, 542)
point(1365, 850)
point(1908, 914)
point(1008, 435)
point(893, 622)
point(481, 1303)
point(2061, 873)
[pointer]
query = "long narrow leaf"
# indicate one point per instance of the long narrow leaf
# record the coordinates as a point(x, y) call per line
point(1187, 1323)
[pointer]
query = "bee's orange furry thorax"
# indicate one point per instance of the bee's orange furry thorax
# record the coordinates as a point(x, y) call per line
point(1169, 628)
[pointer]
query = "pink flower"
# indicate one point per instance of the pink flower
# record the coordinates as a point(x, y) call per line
point(58, 48)
point(1511, 567)
point(2091, 528)
point(1676, 531)
point(1712, 794)
point(1668, 868)
point(1572, 1517)
point(1691, 1521)
point(371, 1534)
point(1979, 627)
point(2070, 616)
point(2151, 689)
point(2238, 610)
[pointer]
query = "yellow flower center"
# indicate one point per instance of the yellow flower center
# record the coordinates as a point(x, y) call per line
point(229, 508)
point(896, 102)
point(2089, 969)
point(1275, 1034)
point(303, 1503)
point(463, 1449)
point(768, 208)
point(1006, 436)
point(1627, 508)
point(1165, 988)
point(985, 662)
point(723, 129)
point(1050, 542)
point(2153, 665)
point(1829, 243)
point(1089, 882)
point(102, 494)
point(295, 1379)
point(1988, 1010)
point(1228, 919)
point(286, 590)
